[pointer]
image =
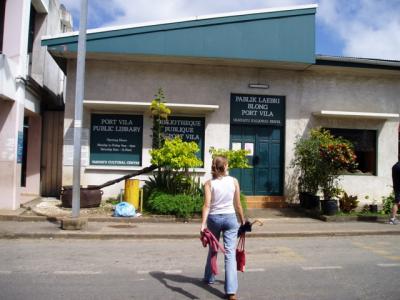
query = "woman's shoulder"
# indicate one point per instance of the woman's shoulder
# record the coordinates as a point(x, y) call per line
point(232, 178)
point(208, 182)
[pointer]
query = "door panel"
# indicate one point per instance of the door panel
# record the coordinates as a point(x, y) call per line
point(275, 181)
point(51, 156)
point(247, 181)
point(261, 181)
point(265, 178)
point(275, 155)
point(263, 154)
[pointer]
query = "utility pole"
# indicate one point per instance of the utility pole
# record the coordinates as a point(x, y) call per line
point(79, 94)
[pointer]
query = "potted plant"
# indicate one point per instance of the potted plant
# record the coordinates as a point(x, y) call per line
point(321, 158)
point(308, 161)
point(348, 203)
point(373, 207)
point(337, 155)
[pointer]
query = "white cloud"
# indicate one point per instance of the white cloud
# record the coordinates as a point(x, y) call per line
point(144, 10)
point(71, 5)
point(369, 28)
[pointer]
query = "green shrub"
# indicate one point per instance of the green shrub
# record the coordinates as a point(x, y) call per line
point(159, 111)
point(243, 202)
point(176, 154)
point(348, 203)
point(173, 183)
point(180, 205)
point(321, 158)
point(387, 203)
point(236, 158)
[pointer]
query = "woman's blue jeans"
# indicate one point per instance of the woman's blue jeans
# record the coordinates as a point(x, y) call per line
point(228, 225)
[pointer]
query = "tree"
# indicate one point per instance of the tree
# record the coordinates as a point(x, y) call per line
point(159, 111)
point(236, 158)
point(176, 154)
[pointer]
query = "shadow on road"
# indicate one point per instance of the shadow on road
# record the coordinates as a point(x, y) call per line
point(165, 278)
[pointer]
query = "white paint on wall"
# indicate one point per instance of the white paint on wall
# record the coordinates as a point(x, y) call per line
point(305, 91)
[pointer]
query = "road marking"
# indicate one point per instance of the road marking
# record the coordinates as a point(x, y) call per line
point(5, 272)
point(289, 253)
point(172, 271)
point(377, 250)
point(381, 252)
point(322, 268)
point(392, 257)
point(157, 271)
point(140, 279)
point(388, 265)
point(255, 270)
point(77, 272)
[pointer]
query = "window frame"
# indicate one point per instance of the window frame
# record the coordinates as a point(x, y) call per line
point(374, 171)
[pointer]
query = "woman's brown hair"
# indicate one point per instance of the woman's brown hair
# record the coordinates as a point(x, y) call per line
point(218, 166)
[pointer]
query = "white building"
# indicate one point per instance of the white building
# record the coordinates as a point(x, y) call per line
point(243, 80)
point(31, 100)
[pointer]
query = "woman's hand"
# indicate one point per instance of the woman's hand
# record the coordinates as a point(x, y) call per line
point(203, 226)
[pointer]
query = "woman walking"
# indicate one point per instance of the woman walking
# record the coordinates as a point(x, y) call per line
point(221, 204)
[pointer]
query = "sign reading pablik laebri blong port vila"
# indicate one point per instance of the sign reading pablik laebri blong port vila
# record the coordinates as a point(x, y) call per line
point(116, 140)
point(257, 109)
point(189, 129)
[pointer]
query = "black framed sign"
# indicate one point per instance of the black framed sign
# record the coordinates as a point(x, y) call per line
point(116, 140)
point(190, 129)
point(257, 109)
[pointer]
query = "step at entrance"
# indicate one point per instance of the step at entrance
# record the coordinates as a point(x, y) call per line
point(266, 202)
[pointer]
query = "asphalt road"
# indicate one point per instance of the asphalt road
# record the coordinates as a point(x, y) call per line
point(298, 268)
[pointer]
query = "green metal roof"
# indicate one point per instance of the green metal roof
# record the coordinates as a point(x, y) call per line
point(286, 35)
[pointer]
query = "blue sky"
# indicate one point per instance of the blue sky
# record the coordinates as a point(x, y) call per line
point(356, 28)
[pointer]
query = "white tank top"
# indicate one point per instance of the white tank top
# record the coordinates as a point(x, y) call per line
point(222, 194)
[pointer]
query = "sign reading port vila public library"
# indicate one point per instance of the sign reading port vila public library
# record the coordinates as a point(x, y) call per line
point(116, 140)
point(257, 109)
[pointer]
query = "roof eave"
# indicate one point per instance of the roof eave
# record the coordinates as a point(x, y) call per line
point(354, 62)
point(181, 20)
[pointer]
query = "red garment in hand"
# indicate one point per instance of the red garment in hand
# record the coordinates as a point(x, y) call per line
point(207, 238)
point(240, 254)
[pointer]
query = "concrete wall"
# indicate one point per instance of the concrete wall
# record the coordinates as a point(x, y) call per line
point(44, 68)
point(33, 160)
point(17, 101)
point(8, 166)
point(305, 91)
point(15, 41)
point(346, 91)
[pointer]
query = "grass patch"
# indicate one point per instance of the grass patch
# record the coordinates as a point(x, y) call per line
point(361, 213)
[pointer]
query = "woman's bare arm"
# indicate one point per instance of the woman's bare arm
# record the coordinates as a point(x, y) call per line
point(206, 205)
point(237, 203)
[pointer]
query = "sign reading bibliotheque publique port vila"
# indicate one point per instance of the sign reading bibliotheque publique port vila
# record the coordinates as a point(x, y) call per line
point(116, 140)
point(189, 129)
point(257, 109)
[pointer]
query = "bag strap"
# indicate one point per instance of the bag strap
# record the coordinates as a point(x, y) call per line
point(241, 242)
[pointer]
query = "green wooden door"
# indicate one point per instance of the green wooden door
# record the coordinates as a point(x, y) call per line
point(265, 176)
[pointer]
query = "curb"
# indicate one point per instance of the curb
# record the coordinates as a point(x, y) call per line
point(142, 219)
point(342, 218)
point(72, 235)
point(26, 218)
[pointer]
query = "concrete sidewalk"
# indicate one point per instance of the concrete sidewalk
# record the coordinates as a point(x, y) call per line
point(35, 220)
point(274, 227)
